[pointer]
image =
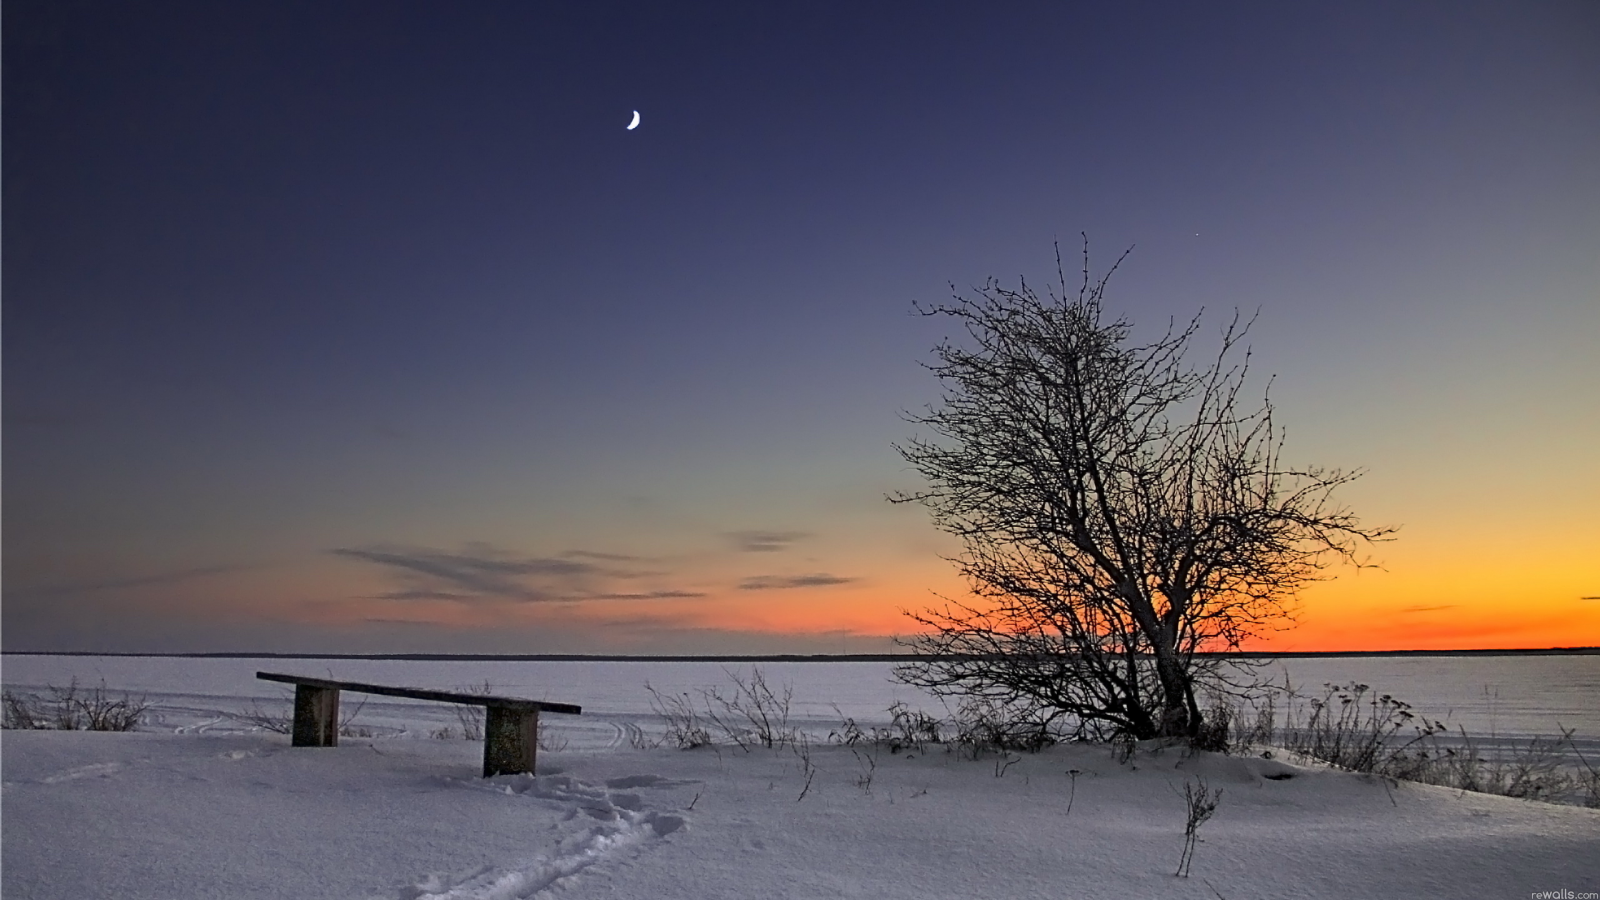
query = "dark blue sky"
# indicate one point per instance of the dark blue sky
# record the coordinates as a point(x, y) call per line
point(293, 290)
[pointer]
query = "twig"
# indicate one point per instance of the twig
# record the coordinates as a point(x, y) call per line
point(1201, 804)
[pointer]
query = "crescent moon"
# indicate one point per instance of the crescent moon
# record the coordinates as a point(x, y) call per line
point(635, 123)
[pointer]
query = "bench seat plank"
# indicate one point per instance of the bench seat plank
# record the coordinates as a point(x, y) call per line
point(425, 694)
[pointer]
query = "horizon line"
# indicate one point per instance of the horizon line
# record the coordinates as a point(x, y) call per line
point(764, 657)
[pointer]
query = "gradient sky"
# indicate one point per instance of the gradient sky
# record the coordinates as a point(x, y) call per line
point(368, 327)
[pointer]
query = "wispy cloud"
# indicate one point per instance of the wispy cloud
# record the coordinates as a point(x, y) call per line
point(781, 582)
point(1418, 609)
point(648, 595)
point(764, 541)
point(595, 554)
point(480, 573)
point(422, 595)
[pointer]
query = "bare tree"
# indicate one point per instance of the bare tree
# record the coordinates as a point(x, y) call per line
point(1121, 514)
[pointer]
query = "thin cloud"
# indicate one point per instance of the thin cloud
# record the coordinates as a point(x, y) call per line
point(597, 555)
point(648, 595)
point(428, 624)
point(764, 541)
point(1417, 609)
point(783, 582)
point(481, 573)
point(422, 595)
point(642, 622)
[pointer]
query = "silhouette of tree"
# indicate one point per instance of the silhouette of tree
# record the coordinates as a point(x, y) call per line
point(1121, 514)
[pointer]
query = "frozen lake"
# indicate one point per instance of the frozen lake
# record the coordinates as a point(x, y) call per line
point(1509, 697)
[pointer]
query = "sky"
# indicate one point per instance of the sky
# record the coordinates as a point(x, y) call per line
point(371, 327)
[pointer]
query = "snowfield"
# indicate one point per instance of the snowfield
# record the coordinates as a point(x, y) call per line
point(243, 815)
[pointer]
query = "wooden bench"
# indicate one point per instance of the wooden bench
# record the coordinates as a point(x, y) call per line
point(510, 729)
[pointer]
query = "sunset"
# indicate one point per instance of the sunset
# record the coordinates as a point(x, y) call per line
point(707, 450)
point(273, 328)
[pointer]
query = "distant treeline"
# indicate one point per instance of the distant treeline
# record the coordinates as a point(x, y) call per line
point(780, 657)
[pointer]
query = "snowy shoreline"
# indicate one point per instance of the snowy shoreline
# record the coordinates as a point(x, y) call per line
point(1513, 697)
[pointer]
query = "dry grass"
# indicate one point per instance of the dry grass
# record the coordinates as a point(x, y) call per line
point(1201, 803)
point(280, 720)
point(683, 728)
point(752, 714)
point(1355, 728)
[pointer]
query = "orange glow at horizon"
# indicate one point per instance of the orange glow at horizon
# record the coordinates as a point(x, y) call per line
point(1368, 612)
point(1457, 609)
point(1422, 600)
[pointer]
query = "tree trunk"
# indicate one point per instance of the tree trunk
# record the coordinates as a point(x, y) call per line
point(1176, 720)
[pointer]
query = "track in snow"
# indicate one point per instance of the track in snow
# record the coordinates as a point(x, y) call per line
point(611, 819)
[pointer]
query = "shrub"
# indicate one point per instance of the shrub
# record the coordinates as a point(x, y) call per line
point(908, 729)
point(1588, 781)
point(983, 726)
point(1201, 802)
point(753, 713)
point(72, 709)
point(280, 721)
point(1358, 732)
point(1215, 731)
point(1531, 771)
point(21, 711)
point(849, 733)
point(683, 727)
point(912, 727)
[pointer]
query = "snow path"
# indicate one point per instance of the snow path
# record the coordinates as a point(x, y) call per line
point(621, 822)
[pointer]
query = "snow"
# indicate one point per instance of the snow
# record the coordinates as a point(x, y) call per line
point(224, 812)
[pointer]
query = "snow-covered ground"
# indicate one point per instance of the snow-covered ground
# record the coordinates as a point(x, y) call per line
point(245, 816)
point(204, 807)
point(199, 806)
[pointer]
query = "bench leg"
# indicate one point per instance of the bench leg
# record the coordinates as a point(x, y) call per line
point(316, 716)
point(510, 740)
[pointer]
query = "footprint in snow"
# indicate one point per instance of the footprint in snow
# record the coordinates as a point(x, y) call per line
point(97, 770)
point(619, 821)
